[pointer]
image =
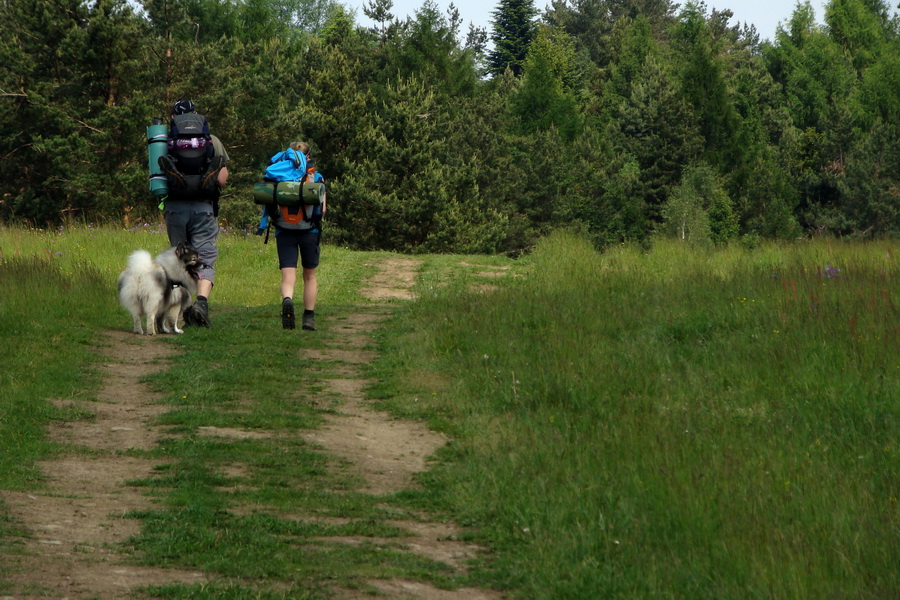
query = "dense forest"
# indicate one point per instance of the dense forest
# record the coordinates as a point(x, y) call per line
point(620, 118)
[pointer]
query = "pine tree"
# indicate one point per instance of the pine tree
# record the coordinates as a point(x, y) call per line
point(380, 12)
point(513, 29)
point(655, 126)
point(547, 96)
point(700, 68)
point(427, 48)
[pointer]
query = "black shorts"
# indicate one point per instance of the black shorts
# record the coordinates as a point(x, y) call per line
point(297, 243)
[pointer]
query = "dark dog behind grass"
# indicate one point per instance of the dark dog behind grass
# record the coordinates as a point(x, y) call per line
point(159, 289)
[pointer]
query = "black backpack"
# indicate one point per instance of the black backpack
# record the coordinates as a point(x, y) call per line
point(190, 165)
point(190, 143)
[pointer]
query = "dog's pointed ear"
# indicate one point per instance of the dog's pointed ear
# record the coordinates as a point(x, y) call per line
point(179, 249)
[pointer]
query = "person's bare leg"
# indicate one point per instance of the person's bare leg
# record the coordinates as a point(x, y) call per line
point(204, 287)
point(310, 291)
point(288, 281)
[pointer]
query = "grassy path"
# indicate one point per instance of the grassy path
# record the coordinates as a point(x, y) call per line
point(76, 524)
point(117, 495)
point(672, 422)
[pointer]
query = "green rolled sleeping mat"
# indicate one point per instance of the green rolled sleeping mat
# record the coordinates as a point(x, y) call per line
point(288, 193)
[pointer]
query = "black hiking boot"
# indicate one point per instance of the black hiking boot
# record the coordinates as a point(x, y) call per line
point(309, 320)
point(287, 313)
point(198, 314)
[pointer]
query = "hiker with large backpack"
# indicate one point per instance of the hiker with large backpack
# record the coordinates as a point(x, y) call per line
point(195, 171)
point(295, 206)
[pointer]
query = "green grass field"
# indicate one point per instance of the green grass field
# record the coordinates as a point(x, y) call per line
point(663, 423)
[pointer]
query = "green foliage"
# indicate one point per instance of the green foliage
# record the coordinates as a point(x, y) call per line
point(547, 96)
point(684, 216)
point(699, 209)
point(618, 97)
point(593, 23)
point(700, 70)
point(834, 107)
point(873, 166)
point(859, 27)
point(403, 195)
point(513, 29)
point(656, 126)
point(427, 48)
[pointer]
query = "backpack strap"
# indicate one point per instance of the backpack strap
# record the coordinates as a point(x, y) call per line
point(265, 224)
point(295, 158)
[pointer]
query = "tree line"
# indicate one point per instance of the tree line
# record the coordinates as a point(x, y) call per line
point(620, 118)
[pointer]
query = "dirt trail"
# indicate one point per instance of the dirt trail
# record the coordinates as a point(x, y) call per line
point(386, 452)
point(76, 524)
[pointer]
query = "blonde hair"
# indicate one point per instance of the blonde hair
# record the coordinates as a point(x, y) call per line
point(301, 146)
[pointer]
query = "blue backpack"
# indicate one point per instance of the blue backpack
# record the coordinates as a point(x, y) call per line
point(290, 165)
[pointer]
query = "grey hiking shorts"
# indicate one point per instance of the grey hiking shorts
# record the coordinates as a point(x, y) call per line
point(194, 223)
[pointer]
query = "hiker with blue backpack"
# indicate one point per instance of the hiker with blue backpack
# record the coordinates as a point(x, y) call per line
point(298, 225)
point(195, 171)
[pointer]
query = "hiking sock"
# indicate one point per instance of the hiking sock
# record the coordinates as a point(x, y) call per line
point(309, 320)
point(287, 313)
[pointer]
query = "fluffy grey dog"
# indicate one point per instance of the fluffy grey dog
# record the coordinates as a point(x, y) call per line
point(159, 289)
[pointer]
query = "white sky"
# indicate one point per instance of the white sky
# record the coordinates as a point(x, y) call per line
point(764, 14)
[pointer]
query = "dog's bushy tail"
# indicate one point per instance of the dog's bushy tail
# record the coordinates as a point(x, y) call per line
point(140, 260)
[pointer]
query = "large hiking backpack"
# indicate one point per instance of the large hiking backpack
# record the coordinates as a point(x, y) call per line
point(292, 190)
point(296, 187)
point(190, 143)
point(190, 165)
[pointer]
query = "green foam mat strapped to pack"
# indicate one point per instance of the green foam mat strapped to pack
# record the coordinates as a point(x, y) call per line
point(288, 193)
point(157, 145)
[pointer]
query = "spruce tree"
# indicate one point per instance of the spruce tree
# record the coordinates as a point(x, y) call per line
point(380, 12)
point(547, 97)
point(513, 29)
point(656, 126)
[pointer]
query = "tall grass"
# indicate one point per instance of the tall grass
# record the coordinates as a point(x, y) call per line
point(676, 423)
point(58, 296)
point(48, 326)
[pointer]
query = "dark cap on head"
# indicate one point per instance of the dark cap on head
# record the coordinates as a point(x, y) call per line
point(182, 107)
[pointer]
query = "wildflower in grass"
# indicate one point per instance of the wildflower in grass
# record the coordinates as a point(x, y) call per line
point(830, 272)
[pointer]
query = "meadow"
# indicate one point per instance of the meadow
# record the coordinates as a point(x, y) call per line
point(665, 422)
